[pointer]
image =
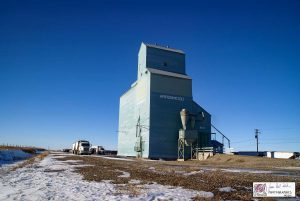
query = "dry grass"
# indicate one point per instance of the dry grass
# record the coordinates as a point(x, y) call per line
point(223, 160)
point(166, 173)
point(132, 190)
point(42, 155)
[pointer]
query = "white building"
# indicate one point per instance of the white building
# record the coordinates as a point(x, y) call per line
point(281, 154)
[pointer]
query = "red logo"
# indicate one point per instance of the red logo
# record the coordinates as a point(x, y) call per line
point(259, 188)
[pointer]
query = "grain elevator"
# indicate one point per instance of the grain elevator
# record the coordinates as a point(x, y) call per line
point(158, 117)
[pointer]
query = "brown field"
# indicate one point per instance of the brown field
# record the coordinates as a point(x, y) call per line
point(197, 175)
point(235, 161)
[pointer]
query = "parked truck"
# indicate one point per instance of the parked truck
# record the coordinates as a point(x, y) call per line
point(81, 147)
point(97, 150)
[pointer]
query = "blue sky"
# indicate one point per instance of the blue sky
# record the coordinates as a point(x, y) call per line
point(64, 65)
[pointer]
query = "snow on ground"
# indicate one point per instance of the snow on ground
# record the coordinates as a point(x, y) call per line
point(192, 173)
point(134, 181)
point(124, 174)
point(233, 170)
point(51, 179)
point(226, 189)
point(159, 192)
point(247, 171)
point(112, 158)
point(251, 171)
point(238, 170)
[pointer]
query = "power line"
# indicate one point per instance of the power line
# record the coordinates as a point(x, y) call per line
point(256, 136)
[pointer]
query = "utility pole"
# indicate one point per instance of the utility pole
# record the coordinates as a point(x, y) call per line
point(256, 136)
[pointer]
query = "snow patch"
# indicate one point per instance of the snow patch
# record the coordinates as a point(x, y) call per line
point(247, 171)
point(124, 174)
point(51, 180)
point(208, 169)
point(74, 161)
point(134, 181)
point(160, 192)
point(237, 170)
point(193, 173)
point(226, 189)
point(113, 158)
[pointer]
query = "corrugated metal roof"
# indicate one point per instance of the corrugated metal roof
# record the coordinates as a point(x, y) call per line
point(167, 73)
point(164, 48)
